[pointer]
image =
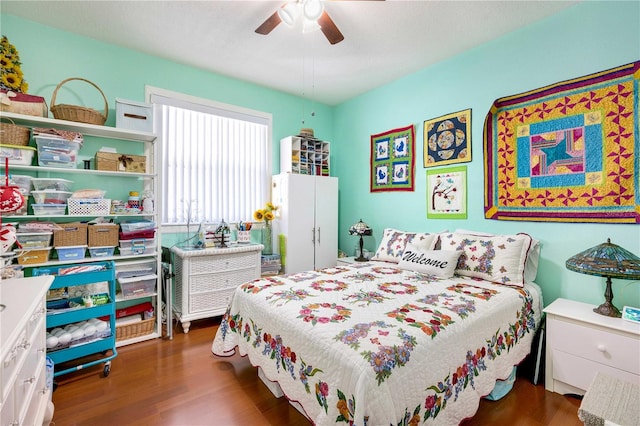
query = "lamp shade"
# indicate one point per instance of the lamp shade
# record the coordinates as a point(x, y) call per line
point(360, 228)
point(606, 260)
point(610, 261)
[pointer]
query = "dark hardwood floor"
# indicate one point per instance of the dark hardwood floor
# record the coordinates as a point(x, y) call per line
point(179, 382)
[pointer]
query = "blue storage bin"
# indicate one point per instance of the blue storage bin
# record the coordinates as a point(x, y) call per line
point(101, 251)
point(71, 252)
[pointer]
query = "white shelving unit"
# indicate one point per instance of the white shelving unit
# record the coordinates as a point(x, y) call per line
point(147, 181)
point(305, 156)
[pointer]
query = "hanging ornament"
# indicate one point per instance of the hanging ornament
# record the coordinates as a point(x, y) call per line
point(11, 199)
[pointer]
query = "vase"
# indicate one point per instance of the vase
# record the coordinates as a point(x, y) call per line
point(267, 241)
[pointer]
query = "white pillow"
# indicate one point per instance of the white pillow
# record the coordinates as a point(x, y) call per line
point(393, 243)
point(497, 258)
point(441, 263)
point(533, 257)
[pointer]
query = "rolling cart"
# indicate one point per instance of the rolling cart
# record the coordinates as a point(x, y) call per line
point(70, 311)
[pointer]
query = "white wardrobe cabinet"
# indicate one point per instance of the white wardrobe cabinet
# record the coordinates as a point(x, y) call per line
point(308, 220)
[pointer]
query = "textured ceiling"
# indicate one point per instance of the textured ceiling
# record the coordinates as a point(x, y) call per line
point(384, 40)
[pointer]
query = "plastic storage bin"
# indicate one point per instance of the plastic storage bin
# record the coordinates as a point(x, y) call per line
point(48, 209)
point(56, 152)
point(50, 197)
point(31, 256)
point(22, 155)
point(101, 251)
point(134, 115)
point(71, 252)
point(30, 240)
point(23, 182)
point(137, 247)
point(138, 286)
point(51, 184)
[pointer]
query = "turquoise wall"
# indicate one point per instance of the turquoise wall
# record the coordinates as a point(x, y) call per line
point(589, 37)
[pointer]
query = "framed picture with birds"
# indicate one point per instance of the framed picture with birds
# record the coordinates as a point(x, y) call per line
point(392, 160)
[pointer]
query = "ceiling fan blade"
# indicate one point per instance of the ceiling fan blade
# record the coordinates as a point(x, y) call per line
point(269, 24)
point(329, 29)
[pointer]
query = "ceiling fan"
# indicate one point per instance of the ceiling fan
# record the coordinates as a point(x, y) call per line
point(313, 14)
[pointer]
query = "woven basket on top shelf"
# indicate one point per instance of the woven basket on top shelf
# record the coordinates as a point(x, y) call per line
point(12, 134)
point(77, 113)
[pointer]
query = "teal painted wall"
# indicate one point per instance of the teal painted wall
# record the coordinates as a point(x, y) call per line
point(586, 38)
point(50, 56)
point(589, 37)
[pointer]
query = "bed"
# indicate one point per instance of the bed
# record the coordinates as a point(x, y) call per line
point(417, 335)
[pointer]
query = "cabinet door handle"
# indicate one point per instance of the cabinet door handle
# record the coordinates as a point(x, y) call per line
point(313, 235)
point(318, 235)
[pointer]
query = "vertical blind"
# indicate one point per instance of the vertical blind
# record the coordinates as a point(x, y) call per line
point(215, 162)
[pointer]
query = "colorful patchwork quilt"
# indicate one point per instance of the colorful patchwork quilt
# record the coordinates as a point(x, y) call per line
point(372, 344)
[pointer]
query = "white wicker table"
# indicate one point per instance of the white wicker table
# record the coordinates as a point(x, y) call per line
point(610, 401)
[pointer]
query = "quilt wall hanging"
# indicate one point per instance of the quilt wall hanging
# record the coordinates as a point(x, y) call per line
point(447, 193)
point(392, 160)
point(567, 152)
point(447, 139)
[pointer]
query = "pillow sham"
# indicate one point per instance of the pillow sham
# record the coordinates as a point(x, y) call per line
point(441, 263)
point(497, 258)
point(533, 257)
point(394, 242)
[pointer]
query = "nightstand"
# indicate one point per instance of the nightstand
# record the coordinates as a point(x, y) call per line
point(342, 261)
point(581, 343)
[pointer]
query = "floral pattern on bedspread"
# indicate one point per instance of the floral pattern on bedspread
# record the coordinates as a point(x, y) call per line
point(374, 344)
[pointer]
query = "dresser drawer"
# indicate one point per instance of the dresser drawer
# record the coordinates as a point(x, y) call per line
point(579, 372)
point(225, 262)
point(590, 343)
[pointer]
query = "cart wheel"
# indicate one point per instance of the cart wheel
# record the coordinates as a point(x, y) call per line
point(107, 369)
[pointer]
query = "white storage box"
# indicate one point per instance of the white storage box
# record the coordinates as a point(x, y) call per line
point(138, 286)
point(22, 155)
point(51, 184)
point(51, 197)
point(134, 115)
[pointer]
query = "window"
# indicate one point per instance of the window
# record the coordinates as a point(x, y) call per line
point(215, 159)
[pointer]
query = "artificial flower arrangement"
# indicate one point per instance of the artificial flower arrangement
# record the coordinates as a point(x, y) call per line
point(267, 213)
point(11, 77)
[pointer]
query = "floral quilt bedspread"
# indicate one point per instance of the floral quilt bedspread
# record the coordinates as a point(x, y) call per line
point(371, 344)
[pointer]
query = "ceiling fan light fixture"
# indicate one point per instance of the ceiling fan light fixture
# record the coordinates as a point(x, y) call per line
point(309, 26)
point(312, 9)
point(288, 13)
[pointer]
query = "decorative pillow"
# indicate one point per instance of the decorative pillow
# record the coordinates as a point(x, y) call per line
point(533, 257)
point(441, 263)
point(497, 258)
point(393, 243)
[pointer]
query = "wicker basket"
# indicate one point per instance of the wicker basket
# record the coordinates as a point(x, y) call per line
point(70, 234)
point(103, 235)
point(129, 331)
point(11, 134)
point(79, 113)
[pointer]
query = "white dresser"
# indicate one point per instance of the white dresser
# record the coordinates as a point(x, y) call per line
point(206, 279)
point(24, 394)
point(581, 343)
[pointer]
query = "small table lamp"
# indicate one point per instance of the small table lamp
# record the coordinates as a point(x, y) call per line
point(610, 261)
point(360, 229)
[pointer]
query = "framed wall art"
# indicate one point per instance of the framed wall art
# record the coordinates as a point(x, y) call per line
point(447, 193)
point(392, 160)
point(447, 139)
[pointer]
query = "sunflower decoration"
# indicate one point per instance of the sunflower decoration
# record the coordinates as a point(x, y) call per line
point(266, 214)
point(11, 77)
